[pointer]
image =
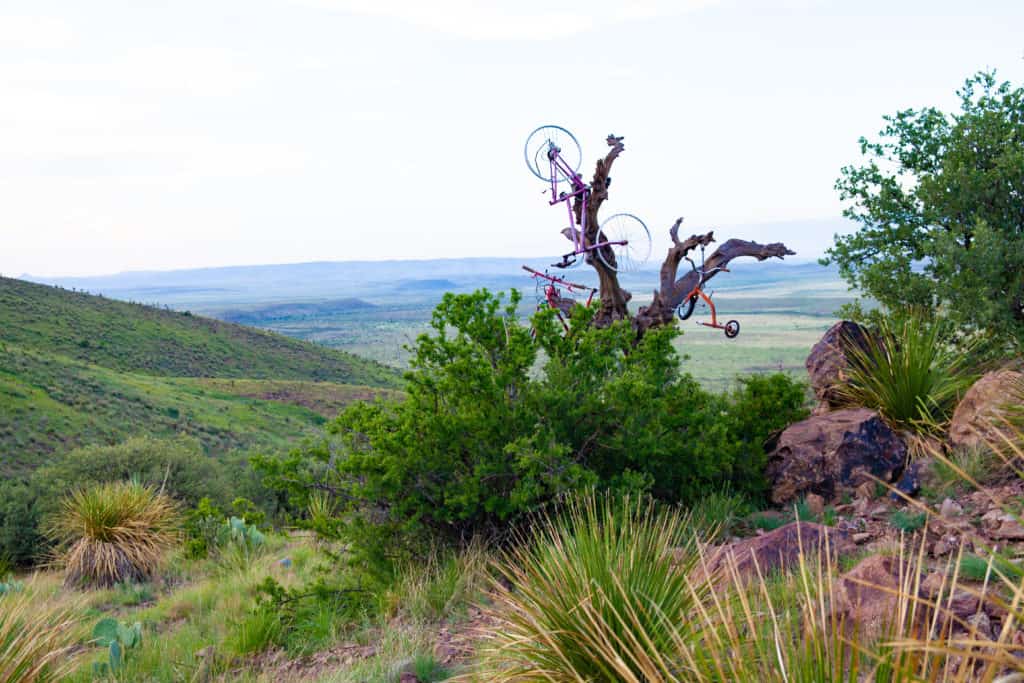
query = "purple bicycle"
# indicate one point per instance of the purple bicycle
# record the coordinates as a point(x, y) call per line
point(623, 241)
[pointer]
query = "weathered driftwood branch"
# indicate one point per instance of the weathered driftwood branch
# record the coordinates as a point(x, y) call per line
point(672, 288)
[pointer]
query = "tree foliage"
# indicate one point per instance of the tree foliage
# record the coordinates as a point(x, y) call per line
point(500, 418)
point(940, 202)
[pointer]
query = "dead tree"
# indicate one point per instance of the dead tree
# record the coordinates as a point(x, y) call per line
point(672, 288)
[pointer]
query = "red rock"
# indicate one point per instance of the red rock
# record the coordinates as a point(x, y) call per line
point(866, 597)
point(827, 363)
point(831, 453)
point(984, 402)
point(776, 549)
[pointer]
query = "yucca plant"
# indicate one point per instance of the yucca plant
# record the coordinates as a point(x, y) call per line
point(620, 592)
point(36, 638)
point(113, 532)
point(910, 373)
point(598, 593)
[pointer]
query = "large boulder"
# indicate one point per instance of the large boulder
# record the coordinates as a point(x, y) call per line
point(832, 453)
point(827, 363)
point(776, 550)
point(977, 415)
point(868, 597)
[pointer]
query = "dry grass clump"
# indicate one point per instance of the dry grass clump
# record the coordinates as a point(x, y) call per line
point(36, 638)
point(114, 532)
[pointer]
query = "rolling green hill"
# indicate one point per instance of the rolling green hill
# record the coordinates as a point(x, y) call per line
point(77, 369)
point(135, 338)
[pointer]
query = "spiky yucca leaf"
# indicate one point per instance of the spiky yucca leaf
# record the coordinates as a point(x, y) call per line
point(36, 639)
point(909, 373)
point(114, 532)
point(594, 594)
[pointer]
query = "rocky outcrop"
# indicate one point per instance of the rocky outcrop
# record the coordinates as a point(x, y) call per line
point(828, 362)
point(774, 550)
point(977, 415)
point(832, 453)
point(867, 596)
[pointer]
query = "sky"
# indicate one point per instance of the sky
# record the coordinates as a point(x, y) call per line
point(153, 135)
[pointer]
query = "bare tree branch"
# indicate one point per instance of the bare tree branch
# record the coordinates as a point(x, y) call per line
point(673, 289)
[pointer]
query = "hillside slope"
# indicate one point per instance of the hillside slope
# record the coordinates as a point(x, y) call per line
point(134, 338)
point(49, 403)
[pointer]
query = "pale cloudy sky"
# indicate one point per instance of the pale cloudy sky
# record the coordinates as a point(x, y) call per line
point(156, 135)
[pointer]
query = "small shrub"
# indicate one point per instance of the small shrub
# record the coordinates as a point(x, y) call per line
point(908, 521)
point(973, 463)
point(114, 532)
point(718, 512)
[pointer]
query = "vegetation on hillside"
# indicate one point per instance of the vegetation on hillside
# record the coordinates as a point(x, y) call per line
point(143, 339)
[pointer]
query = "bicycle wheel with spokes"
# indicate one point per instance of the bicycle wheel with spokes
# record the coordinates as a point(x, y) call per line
point(546, 139)
point(631, 242)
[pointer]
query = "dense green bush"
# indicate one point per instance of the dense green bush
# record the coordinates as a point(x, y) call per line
point(938, 200)
point(178, 466)
point(498, 420)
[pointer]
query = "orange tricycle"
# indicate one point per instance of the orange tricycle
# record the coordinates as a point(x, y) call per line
point(685, 309)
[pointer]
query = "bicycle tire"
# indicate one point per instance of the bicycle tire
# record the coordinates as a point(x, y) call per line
point(537, 144)
point(688, 306)
point(628, 257)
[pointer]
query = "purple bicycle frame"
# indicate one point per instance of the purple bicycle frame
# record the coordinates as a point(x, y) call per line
point(580, 189)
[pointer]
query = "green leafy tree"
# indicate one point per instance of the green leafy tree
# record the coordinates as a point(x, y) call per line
point(940, 202)
point(500, 419)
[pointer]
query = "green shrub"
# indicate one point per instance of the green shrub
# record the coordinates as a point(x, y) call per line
point(911, 373)
point(498, 420)
point(178, 466)
point(110, 533)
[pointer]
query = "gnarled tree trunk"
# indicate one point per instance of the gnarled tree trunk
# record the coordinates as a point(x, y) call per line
point(672, 288)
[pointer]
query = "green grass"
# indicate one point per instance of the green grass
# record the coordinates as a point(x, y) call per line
point(143, 339)
point(50, 402)
point(908, 521)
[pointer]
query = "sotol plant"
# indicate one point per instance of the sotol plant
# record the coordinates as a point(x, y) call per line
point(909, 373)
point(114, 532)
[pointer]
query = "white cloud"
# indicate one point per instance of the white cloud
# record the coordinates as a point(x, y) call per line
point(517, 21)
